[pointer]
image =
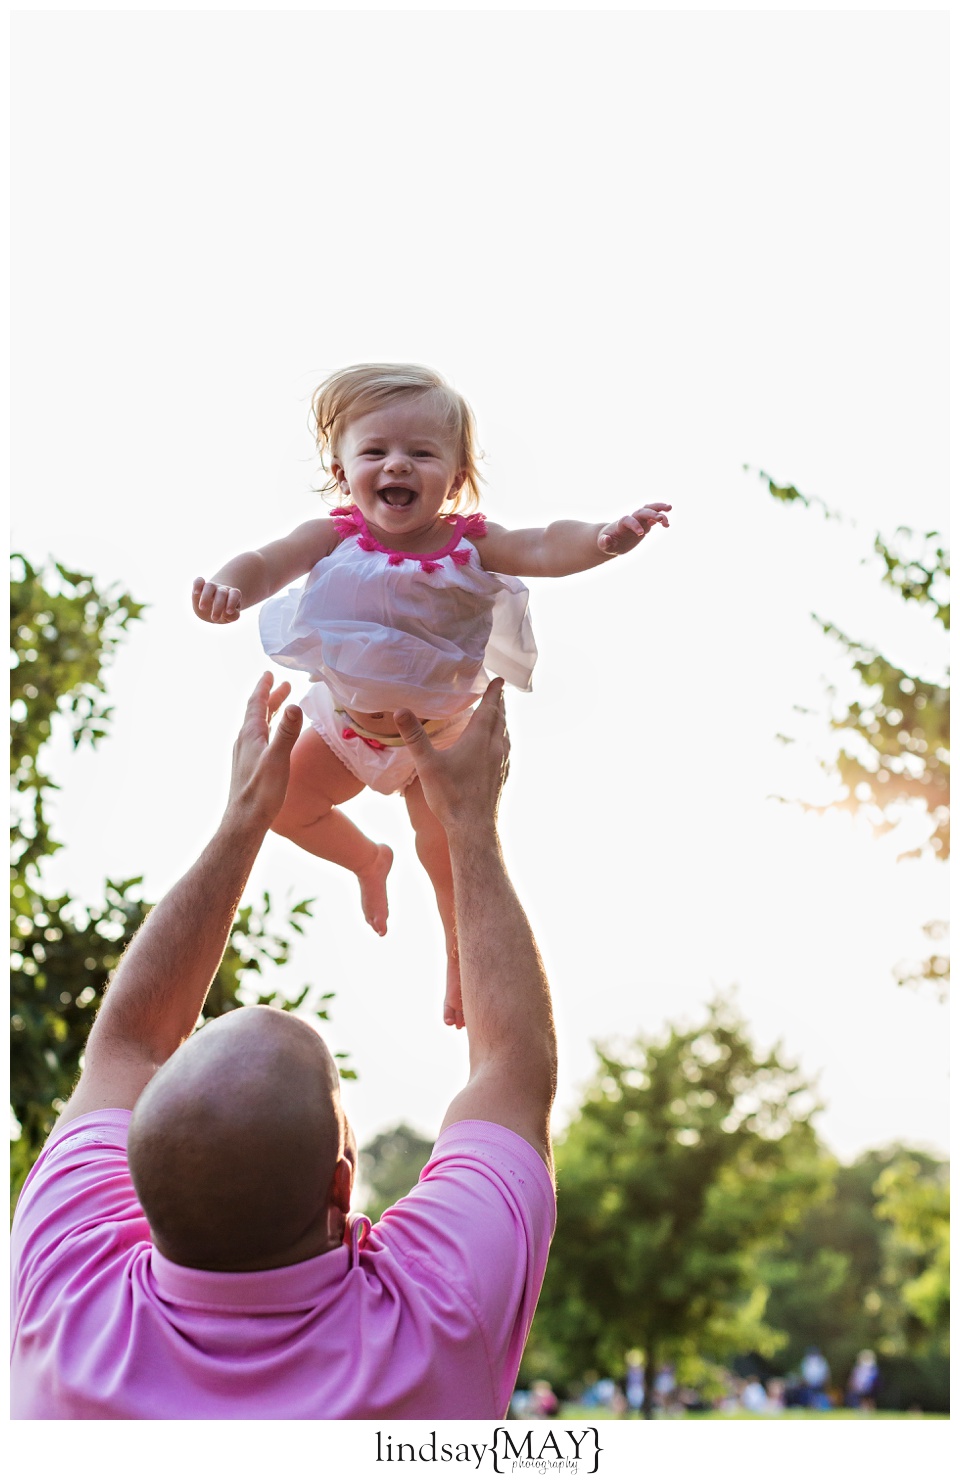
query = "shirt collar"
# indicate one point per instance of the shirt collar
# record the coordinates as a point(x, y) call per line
point(300, 1285)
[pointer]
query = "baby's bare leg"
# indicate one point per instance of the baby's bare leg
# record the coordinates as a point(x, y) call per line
point(434, 855)
point(310, 817)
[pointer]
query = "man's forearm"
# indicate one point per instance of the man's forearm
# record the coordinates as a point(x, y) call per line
point(506, 997)
point(159, 989)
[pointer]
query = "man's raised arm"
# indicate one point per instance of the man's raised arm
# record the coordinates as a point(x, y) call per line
point(158, 991)
point(506, 997)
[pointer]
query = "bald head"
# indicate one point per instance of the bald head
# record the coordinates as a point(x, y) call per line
point(236, 1146)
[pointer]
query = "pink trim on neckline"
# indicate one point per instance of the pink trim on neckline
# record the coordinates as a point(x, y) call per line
point(351, 517)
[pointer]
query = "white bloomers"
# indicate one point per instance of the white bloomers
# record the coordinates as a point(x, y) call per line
point(388, 770)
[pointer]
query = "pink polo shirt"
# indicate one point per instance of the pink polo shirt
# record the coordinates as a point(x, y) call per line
point(423, 1316)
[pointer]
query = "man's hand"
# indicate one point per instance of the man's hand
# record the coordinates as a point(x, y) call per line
point(214, 603)
point(261, 767)
point(158, 992)
point(462, 785)
point(626, 533)
point(506, 998)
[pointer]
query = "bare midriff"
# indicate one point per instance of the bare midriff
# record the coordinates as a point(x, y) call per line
point(382, 723)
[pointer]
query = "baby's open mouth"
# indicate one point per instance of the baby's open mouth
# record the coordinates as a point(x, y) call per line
point(396, 496)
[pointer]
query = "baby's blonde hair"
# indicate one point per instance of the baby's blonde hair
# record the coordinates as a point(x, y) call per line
point(359, 389)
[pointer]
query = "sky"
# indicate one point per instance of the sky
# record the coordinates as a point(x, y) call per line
point(650, 248)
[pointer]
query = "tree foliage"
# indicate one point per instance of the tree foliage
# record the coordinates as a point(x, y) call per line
point(893, 734)
point(915, 565)
point(690, 1154)
point(915, 1200)
point(64, 632)
point(895, 744)
point(700, 1221)
point(63, 636)
point(391, 1164)
point(844, 1278)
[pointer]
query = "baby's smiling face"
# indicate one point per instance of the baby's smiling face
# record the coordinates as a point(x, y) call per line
point(398, 464)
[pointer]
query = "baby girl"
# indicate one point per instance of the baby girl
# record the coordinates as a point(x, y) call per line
point(408, 604)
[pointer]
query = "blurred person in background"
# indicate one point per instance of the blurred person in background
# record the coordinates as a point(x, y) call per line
point(816, 1377)
point(776, 1392)
point(753, 1396)
point(864, 1381)
point(634, 1391)
point(543, 1401)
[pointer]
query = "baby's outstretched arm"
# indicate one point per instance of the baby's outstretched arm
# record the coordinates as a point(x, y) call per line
point(624, 534)
point(566, 546)
point(253, 576)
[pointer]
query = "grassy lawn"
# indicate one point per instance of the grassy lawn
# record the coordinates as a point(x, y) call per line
point(572, 1413)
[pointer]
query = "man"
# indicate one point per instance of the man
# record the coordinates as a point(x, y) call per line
point(198, 1259)
point(816, 1377)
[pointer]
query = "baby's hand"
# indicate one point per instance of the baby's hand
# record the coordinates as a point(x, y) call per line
point(215, 604)
point(624, 534)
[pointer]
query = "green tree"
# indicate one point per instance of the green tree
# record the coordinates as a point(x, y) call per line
point(893, 732)
point(914, 1200)
point(825, 1280)
point(391, 1164)
point(63, 636)
point(844, 1277)
point(690, 1155)
point(64, 633)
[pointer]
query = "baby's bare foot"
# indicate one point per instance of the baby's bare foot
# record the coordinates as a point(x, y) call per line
point(373, 889)
point(453, 1002)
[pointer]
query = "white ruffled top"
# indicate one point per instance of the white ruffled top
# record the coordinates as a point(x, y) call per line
point(385, 628)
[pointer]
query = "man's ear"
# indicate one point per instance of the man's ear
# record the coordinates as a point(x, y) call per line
point(341, 1187)
point(338, 1208)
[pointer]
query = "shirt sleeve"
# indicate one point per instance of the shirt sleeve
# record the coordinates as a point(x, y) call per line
point(78, 1194)
point(482, 1218)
